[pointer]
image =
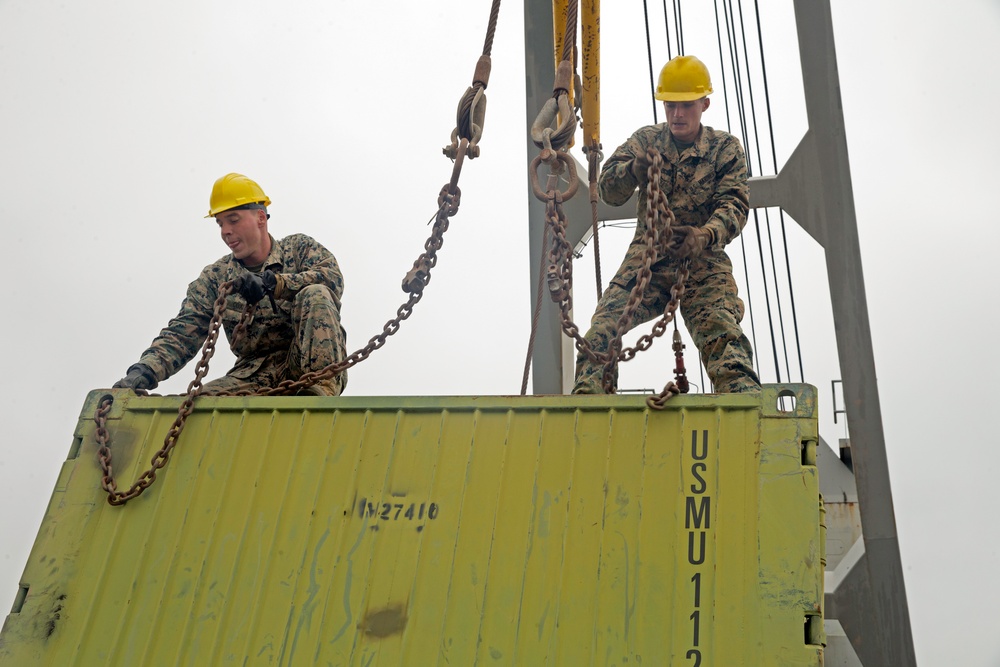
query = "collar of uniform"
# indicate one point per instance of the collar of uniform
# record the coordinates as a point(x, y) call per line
point(703, 145)
point(700, 146)
point(276, 258)
point(670, 153)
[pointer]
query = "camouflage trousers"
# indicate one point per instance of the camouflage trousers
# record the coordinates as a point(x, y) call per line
point(319, 341)
point(712, 312)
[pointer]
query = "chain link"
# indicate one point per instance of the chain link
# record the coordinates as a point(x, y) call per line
point(659, 401)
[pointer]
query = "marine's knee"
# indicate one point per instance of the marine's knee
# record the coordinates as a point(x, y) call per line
point(313, 293)
point(602, 324)
point(316, 301)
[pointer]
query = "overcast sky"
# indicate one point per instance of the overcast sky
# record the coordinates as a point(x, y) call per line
point(116, 117)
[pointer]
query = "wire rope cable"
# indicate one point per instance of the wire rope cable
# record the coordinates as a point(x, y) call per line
point(666, 29)
point(679, 23)
point(743, 243)
point(767, 218)
point(649, 56)
point(741, 107)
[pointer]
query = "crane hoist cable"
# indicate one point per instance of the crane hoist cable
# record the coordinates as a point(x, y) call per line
point(556, 123)
point(471, 113)
point(465, 138)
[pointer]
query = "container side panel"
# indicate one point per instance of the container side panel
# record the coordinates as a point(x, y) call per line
point(161, 584)
point(400, 534)
point(790, 577)
point(513, 534)
point(356, 552)
point(564, 531)
point(546, 552)
point(574, 628)
point(465, 585)
point(737, 614)
point(430, 594)
point(619, 559)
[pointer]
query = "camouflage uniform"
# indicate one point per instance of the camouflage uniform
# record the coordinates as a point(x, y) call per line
point(304, 334)
point(706, 186)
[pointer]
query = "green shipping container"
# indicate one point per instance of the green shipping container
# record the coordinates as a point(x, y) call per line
point(551, 530)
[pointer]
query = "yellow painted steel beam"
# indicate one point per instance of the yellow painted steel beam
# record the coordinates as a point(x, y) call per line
point(560, 9)
point(590, 38)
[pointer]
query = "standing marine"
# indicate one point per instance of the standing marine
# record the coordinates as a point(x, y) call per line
point(295, 330)
point(704, 178)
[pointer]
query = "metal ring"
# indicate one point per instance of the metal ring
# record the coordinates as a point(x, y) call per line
point(574, 179)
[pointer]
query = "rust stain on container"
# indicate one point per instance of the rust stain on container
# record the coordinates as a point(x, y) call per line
point(384, 622)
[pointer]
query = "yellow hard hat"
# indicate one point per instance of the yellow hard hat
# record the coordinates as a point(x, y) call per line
point(683, 79)
point(235, 191)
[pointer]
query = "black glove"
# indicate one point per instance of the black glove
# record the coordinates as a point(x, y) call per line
point(255, 286)
point(137, 377)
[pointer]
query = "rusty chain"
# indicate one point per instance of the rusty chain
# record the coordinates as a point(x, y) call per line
point(659, 401)
point(680, 384)
point(116, 497)
point(659, 223)
point(414, 283)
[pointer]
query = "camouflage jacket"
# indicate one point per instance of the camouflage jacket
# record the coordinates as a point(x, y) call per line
point(705, 185)
point(298, 258)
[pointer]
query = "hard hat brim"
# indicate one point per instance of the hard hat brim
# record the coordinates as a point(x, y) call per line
point(681, 97)
point(259, 206)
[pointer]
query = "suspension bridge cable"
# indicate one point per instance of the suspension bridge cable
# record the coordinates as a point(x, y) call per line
point(781, 213)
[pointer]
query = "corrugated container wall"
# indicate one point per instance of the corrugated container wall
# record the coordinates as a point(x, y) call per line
point(435, 531)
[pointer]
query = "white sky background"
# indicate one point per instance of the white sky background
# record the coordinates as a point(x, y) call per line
point(115, 119)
